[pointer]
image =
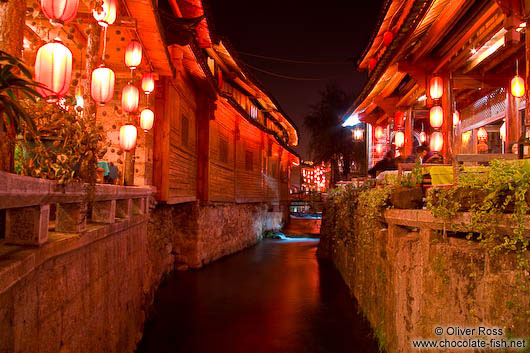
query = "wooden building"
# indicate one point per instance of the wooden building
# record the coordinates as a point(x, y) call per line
point(465, 49)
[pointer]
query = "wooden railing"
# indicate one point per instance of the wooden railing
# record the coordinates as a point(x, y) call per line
point(28, 203)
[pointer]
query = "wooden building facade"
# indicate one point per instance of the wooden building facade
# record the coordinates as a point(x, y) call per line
point(467, 48)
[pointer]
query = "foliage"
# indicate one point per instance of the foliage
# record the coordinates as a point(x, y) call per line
point(414, 178)
point(489, 194)
point(329, 140)
point(15, 79)
point(66, 147)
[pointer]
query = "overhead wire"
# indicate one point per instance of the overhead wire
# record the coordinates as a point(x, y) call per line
point(345, 62)
point(291, 77)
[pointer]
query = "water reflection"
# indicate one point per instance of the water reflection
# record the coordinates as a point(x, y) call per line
point(274, 297)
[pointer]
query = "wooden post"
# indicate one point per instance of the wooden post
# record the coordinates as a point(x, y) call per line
point(161, 141)
point(128, 167)
point(205, 114)
point(12, 23)
point(409, 138)
point(513, 129)
point(447, 127)
point(92, 61)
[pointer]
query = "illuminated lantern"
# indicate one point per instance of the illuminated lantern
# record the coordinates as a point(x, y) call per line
point(53, 69)
point(107, 16)
point(437, 141)
point(357, 134)
point(517, 86)
point(482, 134)
point(423, 137)
point(503, 131)
point(372, 63)
point(102, 85)
point(147, 118)
point(59, 11)
point(133, 54)
point(128, 135)
point(436, 116)
point(399, 139)
point(388, 37)
point(456, 118)
point(398, 119)
point(379, 132)
point(148, 82)
point(436, 87)
point(129, 98)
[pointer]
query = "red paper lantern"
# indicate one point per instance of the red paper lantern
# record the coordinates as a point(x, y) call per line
point(423, 137)
point(517, 86)
point(437, 141)
point(53, 69)
point(372, 63)
point(399, 139)
point(456, 118)
point(59, 11)
point(129, 98)
point(379, 149)
point(108, 14)
point(128, 135)
point(436, 116)
point(398, 119)
point(147, 118)
point(102, 85)
point(436, 87)
point(388, 37)
point(133, 54)
point(148, 82)
point(482, 134)
point(379, 132)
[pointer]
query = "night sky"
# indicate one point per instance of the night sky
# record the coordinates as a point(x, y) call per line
point(333, 32)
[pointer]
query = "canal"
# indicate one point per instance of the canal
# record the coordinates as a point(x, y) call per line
point(274, 297)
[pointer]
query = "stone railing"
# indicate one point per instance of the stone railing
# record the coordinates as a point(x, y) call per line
point(27, 203)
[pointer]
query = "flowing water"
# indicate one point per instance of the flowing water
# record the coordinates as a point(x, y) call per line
point(274, 297)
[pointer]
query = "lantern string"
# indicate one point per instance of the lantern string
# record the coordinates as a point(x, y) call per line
point(104, 43)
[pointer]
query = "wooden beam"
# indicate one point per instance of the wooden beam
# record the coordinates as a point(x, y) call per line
point(480, 81)
point(409, 138)
point(387, 104)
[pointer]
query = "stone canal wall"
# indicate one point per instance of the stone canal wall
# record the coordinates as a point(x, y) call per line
point(88, 287)
point(196, 235)
point(409, 279)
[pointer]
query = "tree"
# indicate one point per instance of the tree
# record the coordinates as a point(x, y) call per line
point(330, 142)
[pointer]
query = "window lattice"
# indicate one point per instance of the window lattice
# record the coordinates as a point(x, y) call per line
point(490, 105)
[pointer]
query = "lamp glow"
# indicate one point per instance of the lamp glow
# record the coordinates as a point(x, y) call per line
point(423, 137)
point(129, 98)
point(517, 86)
point(147, 118)
point(482, 134)
point(436, 116)
point(128, 136)
point(379, 132)
point(436, 87)
point(399, 139)
point(437, 141)
point(148, 82)
point(59, 11)
point(102, 85)
point(502, 131)
point(107, 15)
point(456, 118)
point(133, 54)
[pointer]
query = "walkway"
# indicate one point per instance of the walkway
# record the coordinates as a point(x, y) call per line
point(272, 298)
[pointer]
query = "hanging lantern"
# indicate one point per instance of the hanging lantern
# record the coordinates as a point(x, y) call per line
point(399, 139)
point(133, 54)
point(357, 134)
point(379, 148)
point(107, 16)
point(398, 119)
point(128, 135)
point(502, 131)
point(482, 134)
point(388, 37)
point(437, 141)
point(517, 86)
point(59, 11)
point(148, 82)
point(423, 137)
point(456, 118)
point(436, 87)
point(372, 63)
point(147, 118)
point(436, 116)
point(53, 69)
point(102, 85)
point(379, 132)
point(129, 98)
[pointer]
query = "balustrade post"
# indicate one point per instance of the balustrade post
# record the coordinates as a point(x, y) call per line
point(124, 208)
point(27, 225)
point(104, 211)
point(71, 217)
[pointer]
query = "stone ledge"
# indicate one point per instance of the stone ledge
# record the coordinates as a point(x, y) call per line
point(424, 218)
point(16, 261)
point(22, 191)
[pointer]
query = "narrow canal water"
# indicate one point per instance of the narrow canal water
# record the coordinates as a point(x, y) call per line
point(273, 298)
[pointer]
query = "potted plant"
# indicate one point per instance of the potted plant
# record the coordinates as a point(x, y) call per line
point(15, 81)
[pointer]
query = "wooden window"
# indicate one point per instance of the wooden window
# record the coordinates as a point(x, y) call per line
point(249, 160)
point(253, 111)
point(185, 131)
point(223, 150)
